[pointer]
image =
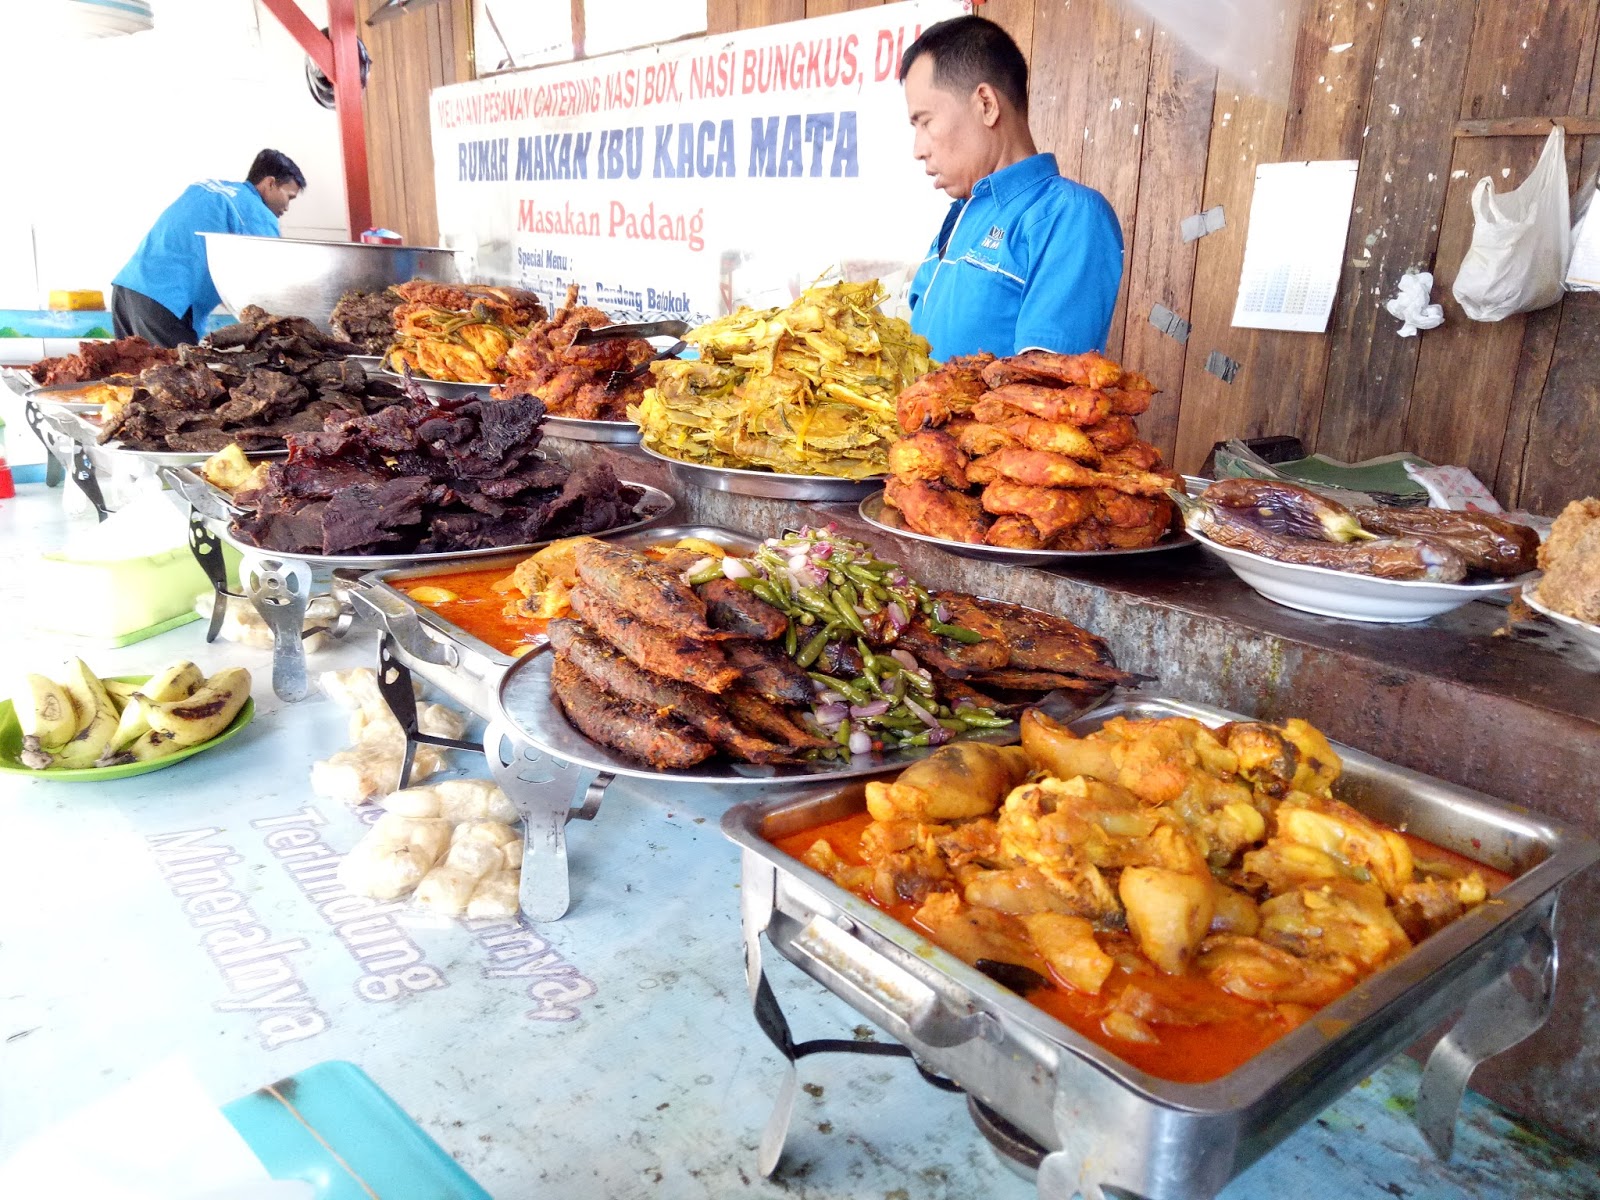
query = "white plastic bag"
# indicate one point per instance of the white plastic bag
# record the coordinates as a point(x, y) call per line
point(1520, 241)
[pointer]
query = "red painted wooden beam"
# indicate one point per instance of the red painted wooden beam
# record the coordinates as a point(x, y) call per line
point(338, 57)
point(348, 101)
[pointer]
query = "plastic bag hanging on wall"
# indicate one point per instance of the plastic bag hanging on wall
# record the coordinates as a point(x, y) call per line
point(1521, 240)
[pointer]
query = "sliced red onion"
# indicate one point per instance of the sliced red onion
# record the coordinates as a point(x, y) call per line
point(824, 549)
point(829, 696)
point(941, 612)
point(798, 562)
point(863, 612)
point(809, 576)
point(904, 657)
point(965, 702)
point(860, 742)
point(897, 616)
point(695, 569)
point(732, 568)
point(876, 709)
point(939, 735)
point(832, 714)
point(923, 715)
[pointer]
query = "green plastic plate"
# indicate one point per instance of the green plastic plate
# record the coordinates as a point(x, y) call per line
point(11, 747)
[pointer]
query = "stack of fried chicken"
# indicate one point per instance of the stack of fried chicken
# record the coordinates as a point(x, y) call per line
point(669, 674)
point(576, 381)
point(1034, 452)
point(459, 332)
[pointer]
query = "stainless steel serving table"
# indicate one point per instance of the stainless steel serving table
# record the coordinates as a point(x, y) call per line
point(610, 1054)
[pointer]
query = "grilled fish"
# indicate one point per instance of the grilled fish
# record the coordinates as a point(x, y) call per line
point(731, 609)
point(666, 697)
point(648, 590)
point(759, 716)
point(627, 728)
point(658, 650)
point(766, 670)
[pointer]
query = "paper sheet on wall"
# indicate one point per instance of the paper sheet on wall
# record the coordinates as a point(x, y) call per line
point(1583, 271)
point(1299, 217)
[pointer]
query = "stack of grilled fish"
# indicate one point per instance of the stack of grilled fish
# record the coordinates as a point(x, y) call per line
point(669, 674)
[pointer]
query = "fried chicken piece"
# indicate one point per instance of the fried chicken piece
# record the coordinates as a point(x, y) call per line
point(627, 728)
point(950, 390)
point(931, 456)
point(607, 669)
point(658, 650)
point(1091, 370)
point(977, 439)
point(1037, 434)
point(936, 512)
point(1069, 405)
point(1113, 434)
point(1039, 468)
point(1052, 511)
point(1015, 533)
point(1126, 402)
point(1136, 456)
point(1571, 562)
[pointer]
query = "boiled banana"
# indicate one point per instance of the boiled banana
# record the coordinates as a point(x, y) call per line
point(201, 716)
point(177, 682)
point(97, 713)
point(45, 713)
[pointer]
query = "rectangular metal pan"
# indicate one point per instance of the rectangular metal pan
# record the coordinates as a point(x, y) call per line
point(1107, 1123)
point(462, 666)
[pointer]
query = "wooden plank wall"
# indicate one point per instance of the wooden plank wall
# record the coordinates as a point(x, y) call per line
point(411, 55)
point(1129, 110)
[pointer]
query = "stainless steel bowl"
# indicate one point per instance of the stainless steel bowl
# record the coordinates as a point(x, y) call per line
point(293, 278)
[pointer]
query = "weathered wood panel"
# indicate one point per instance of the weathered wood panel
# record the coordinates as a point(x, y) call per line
point(1171, 184)
point(1246, 130)
point(1523, 61)
point(1400, 193)
point(1332, 75)
point(723, 16)
point(1057, 82)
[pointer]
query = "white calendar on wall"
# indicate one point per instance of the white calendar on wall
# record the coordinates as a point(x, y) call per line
point(1293, 251)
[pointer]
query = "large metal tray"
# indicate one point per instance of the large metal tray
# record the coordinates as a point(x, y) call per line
point(1111, 1126)
point(769, 484)
point(571, 429)
point(875, 512)
point(71, 422)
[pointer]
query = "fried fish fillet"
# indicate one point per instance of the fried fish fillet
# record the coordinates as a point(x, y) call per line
point(627, 728)
point(949, 391)
point(731, 609)
point(1091, 370)
point(1069, 405)
point(643, 588)
point(1052, 511)
point(765, 669)
point(936, 512)
point(931, 456)
point(759, 715)
point(607, 669)
point(1042, 469)
point(658, 650)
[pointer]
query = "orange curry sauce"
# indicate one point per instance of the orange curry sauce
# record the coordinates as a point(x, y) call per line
point(479, 609)
point(1235, 1029)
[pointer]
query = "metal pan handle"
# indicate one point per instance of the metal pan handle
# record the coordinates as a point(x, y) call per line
point(396, 618)
point(880, 986)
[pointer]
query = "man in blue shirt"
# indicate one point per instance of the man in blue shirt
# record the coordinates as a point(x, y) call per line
point(1026, 259)
point(165, 292)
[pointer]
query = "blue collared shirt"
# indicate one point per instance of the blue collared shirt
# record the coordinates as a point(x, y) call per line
point(170, 264)
point(1031, 260)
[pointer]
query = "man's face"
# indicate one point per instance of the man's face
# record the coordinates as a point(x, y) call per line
point(278, 195)
point(954, 142)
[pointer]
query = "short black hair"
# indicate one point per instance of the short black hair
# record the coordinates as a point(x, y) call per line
point(967, 51)
point(275, 164)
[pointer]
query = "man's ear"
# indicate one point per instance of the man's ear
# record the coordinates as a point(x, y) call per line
point(986, 104)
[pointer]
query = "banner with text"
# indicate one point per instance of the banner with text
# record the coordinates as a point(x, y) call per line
point(684, 180)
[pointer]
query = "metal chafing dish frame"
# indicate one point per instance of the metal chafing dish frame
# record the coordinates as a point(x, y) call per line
point(1109, 1128)
point(415, 641)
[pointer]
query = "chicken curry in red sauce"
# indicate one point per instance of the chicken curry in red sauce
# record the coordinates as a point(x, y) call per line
point(1179, 895)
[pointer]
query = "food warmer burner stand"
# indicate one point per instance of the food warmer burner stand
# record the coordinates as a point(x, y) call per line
point(58, 457)
point(547, 792)
point(1502, 1013)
